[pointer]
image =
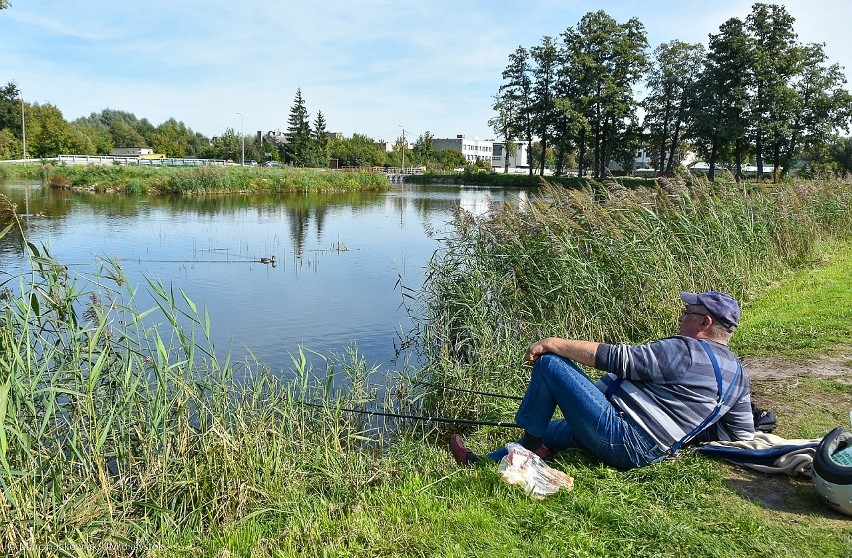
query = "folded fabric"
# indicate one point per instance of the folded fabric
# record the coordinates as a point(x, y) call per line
point(767, 453)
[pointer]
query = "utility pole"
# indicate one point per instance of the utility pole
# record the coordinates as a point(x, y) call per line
point(243, 138)
point(403, 149)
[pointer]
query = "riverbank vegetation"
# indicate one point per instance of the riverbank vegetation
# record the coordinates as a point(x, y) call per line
point(124, 433)
point(207, 179)
point(535, 271)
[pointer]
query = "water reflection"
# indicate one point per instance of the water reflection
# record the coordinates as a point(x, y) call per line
point(338, 257)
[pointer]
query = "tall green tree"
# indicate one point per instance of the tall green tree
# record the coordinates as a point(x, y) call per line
point(719, 113)
point(319, 157)
point(671, 84)
point(227, 147)
point(840, 152)
point(49, 135)
point(609, 58)
point(503, 125)
point(357, 151)
point(770, 28)
point(819, 106)
point(517, 91)
point(545, 69)
point(10, 108)
point(298, 132)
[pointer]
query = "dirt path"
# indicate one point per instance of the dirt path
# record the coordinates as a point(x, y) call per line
point(770, 368)
point(777, 385)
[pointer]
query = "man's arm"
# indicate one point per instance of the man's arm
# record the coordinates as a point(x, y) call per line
point(575, 349)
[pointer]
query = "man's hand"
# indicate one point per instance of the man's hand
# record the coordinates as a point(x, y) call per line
point(577, 350)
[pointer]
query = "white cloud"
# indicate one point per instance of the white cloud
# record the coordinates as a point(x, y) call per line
point(371, 66)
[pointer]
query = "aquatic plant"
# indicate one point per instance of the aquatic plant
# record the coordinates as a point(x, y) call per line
point(607, 263)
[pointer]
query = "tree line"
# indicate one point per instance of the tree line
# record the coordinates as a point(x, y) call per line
point(304, 143)
point(754, 94)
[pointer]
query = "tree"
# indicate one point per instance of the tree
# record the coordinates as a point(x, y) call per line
point(545, 59)
point(228, 146)
point(770, 28)
point(10, 146)
point(320, 132)
point(298, 132)
point(840, 152)
point(49, 135)
point(671, 84)
point(449, 158)
point(422, 148)
point(10, 108)
point(357, 151)
point(504, 124)
point(820, 106)
point(517, 92)
point(607, 59)
point(718, 113)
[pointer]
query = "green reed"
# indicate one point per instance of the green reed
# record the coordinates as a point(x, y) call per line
point(209, 179)
point(607, 263)
point(121, 425)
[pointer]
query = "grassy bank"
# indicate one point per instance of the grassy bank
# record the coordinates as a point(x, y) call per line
point(205, 180)
point(123, 437)
point(503, 180)
point(21, 171)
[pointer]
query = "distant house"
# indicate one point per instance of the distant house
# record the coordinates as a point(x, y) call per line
point(472, 149)
point(131, 151)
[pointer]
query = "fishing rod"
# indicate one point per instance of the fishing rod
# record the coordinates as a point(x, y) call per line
point(448, 388)
point(415, 417)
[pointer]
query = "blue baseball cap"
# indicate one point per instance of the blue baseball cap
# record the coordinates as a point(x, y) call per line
point(722, 306)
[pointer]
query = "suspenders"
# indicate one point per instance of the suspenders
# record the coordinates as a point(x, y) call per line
point(720, 397)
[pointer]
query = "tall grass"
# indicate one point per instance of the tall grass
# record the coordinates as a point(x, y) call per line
point(120, 427)
point(607, 263)
point(209, 180)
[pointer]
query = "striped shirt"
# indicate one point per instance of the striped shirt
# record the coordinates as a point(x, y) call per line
point(670, 387)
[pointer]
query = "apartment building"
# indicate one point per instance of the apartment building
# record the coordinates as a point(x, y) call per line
point(472, 149)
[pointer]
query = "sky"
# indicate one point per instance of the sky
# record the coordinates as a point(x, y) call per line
point(373, 67)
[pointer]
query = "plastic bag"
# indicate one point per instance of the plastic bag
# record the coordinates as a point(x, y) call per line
point(524, 468)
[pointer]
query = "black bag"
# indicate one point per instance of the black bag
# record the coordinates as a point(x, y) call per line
point(764, 419)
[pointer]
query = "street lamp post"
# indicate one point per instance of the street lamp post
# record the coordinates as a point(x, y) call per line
point(243, 137)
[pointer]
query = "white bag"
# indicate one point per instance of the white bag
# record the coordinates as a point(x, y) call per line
point(528, 470)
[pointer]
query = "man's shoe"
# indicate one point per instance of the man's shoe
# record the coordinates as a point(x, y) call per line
point(460, 453)
point(544, 453)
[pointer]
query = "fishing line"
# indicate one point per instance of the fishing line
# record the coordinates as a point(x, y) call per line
point(448, 388)
point(414, 417)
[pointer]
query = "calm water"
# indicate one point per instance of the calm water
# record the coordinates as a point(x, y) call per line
point(338, 258)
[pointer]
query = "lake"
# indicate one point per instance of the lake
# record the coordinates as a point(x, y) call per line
point(339, 258)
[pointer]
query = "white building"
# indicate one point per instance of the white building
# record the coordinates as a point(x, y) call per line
point(520, 160)
point(472, 149)
point(131, 151)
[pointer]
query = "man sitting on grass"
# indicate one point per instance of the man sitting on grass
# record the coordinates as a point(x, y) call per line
point(652, 399)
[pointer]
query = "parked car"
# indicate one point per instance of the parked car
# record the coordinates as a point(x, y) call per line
point(272, 164)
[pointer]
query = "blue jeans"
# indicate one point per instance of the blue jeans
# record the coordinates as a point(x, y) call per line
point(590, 422)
